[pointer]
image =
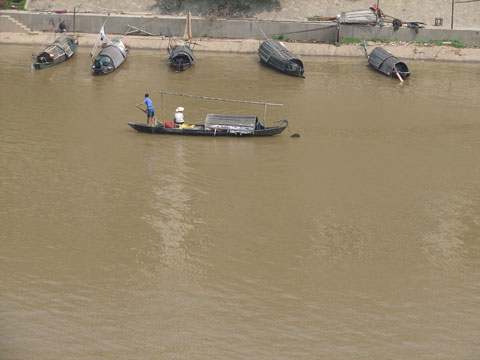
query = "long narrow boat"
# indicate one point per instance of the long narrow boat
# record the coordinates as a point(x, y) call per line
point(384, 62)
point(217, 124)
point(57, 52)
point(276, 55)
point(180, 56)
point(113, 54)
point(236, 125)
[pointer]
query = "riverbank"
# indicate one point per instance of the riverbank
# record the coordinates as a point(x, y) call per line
point(426, 11)
point(408, 51)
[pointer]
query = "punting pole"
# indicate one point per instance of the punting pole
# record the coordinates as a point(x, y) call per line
point(98, 39)
point(218, 99)
point(398, 75)
point(163, 109)
point(265, 104)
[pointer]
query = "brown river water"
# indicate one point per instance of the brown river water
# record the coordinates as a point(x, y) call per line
point(358, 240)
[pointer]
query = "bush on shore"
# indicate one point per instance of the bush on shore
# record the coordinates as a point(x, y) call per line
point(219, 8)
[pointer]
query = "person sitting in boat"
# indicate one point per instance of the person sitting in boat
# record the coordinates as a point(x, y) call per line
point(150, 110)
point(178, 119)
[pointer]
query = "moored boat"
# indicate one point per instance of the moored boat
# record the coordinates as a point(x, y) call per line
point(180, 56)
point(217, 124)
point(384, 62)
point(57, 52)
point(276, 55)
point(112, 55)
point(241, 126)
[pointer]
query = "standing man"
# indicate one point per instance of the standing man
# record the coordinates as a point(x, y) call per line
point(61, 27)
point(150, 111)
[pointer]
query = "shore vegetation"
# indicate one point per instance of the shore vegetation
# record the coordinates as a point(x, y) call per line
point(16, 4)
point(218, 8)
point(453, 43)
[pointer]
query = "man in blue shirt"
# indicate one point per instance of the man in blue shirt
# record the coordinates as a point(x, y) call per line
point(150, 111)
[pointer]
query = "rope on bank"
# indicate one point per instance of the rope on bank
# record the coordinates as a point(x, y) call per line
point(310, 30)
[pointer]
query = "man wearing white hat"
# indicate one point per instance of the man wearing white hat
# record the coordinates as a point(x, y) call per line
point(179, 116)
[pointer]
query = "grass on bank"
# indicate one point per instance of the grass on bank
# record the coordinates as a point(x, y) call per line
point(281, 37)
point(453, 43)
point(7, 4)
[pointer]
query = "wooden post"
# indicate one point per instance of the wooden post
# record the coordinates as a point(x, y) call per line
point(74, 13)
point(163, 110)
point(265, 115)
point(398, 75)
point(453, 8)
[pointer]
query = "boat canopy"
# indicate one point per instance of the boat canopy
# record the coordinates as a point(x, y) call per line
point(59, 47)
point(180, 50)
point(241, 124)
point(385, 62)
point(65, 43)
point(271, 48)
point(115, 50)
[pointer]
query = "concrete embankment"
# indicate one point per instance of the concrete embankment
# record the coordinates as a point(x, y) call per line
point(403, 51)
point(464, 15)
point(233, 28)
point(238, 36)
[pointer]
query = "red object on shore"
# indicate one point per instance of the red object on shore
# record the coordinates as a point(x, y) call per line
point(61, 11)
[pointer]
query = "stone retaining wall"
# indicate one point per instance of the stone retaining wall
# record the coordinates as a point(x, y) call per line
point(467, 15)
point(236, 29)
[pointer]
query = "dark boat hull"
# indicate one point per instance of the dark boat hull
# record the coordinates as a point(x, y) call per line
point(181, 58)
point(199, 130)
point(276, 55)
point(296, 73)
point(384, 62)
point(110, 57)
point(39, 65)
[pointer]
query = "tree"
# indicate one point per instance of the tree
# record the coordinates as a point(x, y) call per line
point(225, 8)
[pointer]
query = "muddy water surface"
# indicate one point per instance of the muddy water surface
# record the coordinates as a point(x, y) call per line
point(358, 240)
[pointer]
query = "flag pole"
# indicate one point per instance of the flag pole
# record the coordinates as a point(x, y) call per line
point(98, 39)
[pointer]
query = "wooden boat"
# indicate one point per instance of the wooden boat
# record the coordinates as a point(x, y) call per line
point(112, 55)
point(57, 52)
point(381, 60)
point(217, 124)
point(276, 55)
point(180, 56)
point(236, 128)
